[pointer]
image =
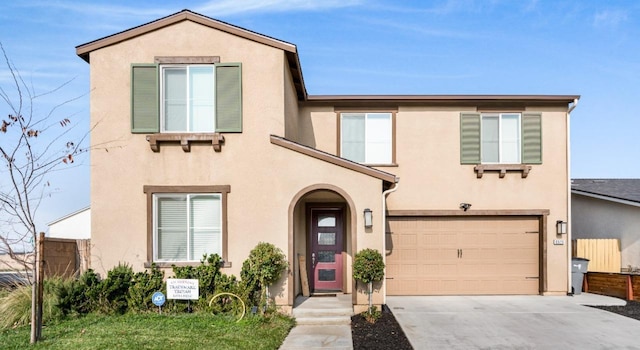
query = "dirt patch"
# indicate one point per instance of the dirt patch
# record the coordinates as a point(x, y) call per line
point(632, 309)
point(384, 334)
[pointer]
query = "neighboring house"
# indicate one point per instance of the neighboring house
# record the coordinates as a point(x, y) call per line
point(608, 208)
point(217, 146)
point(13, 273)
point(76, 225)
point(7, 263)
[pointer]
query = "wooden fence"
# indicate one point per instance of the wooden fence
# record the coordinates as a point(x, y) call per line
point(65, 257)
point(603, 254)
point(619, 285)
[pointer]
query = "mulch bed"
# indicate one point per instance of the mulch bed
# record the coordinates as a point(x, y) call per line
point(632, 309)
point(384, 334)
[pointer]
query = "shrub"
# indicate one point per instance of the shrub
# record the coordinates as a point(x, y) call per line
point(143, 285)
point(114, 290)
point(15, 307)
point(78, 296)
point(368, 267)
point(372, 314)
point(264, 266)
point(210, 282)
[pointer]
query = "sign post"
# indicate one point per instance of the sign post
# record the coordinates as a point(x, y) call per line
point(158, 300)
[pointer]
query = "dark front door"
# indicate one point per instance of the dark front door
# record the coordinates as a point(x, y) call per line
point(326, 249)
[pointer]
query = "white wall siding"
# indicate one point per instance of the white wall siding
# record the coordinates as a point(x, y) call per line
point(73, 226)
point(597, 218)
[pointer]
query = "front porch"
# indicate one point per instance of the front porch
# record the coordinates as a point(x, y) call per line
point(323, 225)
point(335, 309)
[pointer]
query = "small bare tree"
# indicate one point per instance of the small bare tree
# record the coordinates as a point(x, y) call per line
point(32, 146)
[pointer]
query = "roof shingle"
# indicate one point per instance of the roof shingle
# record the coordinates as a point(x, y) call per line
point(625, 189)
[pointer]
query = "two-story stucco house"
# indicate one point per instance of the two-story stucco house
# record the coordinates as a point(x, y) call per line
point(216, 146)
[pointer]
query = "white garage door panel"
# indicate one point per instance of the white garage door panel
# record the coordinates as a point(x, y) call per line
point(456, 256)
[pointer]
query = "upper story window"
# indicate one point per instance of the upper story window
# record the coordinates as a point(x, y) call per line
point(367, 137)
point(501, 138)
point(186, 98)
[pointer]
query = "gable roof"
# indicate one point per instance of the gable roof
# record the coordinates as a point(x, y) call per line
point(293, 60)
point(626, 191)
point(289, 49)
point(330, 158)
point(80, 211)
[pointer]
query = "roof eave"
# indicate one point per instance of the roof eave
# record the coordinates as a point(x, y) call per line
point(330, 158)
point(445, 98)
point(606, 198)
point(85, 49)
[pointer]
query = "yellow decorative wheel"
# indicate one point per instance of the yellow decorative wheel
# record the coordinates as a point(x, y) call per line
point(233, 302)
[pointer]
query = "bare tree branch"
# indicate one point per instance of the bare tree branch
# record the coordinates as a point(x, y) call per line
point(32, 146)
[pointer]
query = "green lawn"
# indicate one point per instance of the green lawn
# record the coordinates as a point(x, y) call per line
point(153, 331)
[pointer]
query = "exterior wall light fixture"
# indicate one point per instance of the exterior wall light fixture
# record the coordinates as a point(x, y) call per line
point(368, 218)
point(465, 206)
point(561, 227)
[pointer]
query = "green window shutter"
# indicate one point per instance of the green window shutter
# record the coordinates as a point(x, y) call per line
point(469, 138)
point(229, 97)
point(145, 114)
point(532, 138)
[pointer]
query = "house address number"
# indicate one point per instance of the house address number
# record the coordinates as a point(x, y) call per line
point(558, 241)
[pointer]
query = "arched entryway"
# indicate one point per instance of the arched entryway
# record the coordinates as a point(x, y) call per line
point(321, 227)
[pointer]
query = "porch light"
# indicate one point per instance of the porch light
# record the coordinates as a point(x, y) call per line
point(368, 218)
point(561, 227)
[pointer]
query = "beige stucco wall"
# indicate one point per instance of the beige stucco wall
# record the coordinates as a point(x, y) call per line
point(432, 178)
point(290, 105)
point(264, 178)
point(597, 218)
point(118, 176)
point(74, 226)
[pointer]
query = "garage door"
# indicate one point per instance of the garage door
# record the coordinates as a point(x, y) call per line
point(458, 256)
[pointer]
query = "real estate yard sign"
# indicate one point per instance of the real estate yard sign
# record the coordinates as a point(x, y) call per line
point(182, 289)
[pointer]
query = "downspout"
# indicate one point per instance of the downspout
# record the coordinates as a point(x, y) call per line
point(384, 233)
point(569, 222)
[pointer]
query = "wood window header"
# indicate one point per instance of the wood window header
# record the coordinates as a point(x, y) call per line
point(187, 59)
point(150, 189)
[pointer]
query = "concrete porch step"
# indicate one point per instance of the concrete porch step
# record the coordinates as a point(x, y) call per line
point(318, 312)
point(324, 321)
point(335, 310)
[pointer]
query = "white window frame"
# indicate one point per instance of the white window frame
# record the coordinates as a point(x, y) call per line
point(367, 135)
point(501, 137)
point(187, 197)
point(162, 96)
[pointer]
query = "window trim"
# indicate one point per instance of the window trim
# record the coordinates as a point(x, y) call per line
point(145, 94)
point(500, 116)
point(162, 91)
point(393, 113)
point(150, 190)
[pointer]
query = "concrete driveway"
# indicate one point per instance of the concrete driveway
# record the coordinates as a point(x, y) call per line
point(513, 322)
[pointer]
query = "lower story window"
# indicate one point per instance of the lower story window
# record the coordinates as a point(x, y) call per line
point(186, 226)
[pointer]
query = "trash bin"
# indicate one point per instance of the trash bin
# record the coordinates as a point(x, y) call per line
point(578, 269)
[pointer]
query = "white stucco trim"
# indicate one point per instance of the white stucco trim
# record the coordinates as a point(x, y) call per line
point(606, 198)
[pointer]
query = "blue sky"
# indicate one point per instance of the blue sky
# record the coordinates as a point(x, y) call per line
point(585, 47)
